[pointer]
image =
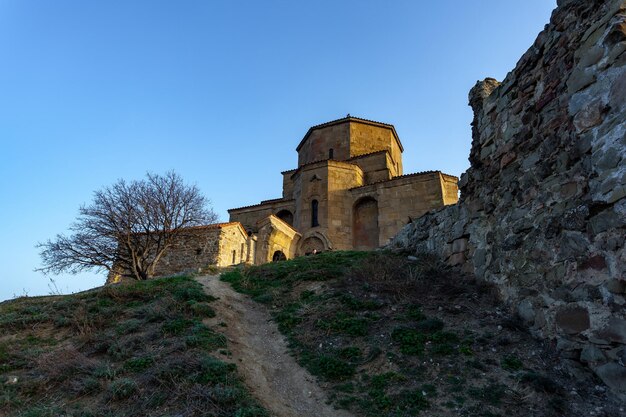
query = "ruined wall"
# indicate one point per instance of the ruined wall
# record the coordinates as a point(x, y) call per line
point(543, 209)
point(195, 249)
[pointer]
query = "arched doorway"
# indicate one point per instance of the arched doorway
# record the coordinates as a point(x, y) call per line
point(312, 245)
point(286, 216)
point(279, 256)
point(365, 224)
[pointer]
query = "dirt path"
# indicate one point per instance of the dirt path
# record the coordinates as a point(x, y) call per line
point(260, 352)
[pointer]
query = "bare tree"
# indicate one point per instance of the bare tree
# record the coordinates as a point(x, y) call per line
point(128, 227)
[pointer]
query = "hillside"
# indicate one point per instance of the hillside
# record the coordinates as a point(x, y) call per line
point(138, 349)
point(384, 334)
point(394, 335)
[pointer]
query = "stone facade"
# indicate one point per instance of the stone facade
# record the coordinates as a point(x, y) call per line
point(542, 212)
point(348, 192)
point(222, 244)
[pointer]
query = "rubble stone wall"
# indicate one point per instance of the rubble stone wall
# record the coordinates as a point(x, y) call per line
point(542, 212)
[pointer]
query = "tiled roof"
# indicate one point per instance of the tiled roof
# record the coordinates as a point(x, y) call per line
point(213, 226)
point(415, 174)
point(349, 118)
point(336, 160)
point(367, 154)
point(261, 204)
point(317, 162)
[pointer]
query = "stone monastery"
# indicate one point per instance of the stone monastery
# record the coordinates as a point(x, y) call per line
point(348, 192)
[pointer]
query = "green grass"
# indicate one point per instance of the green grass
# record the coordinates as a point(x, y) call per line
point(512, 363)
point(368, 325)
point(263, 281)
point(123, 350)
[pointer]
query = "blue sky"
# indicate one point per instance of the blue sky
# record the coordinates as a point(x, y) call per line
point(222, 92)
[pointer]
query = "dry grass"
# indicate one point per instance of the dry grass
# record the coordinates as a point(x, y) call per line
point(391, 335)
point(137, 349)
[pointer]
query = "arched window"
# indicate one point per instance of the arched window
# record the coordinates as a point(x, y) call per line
point(286, 216)
point(314, 207)
point(331, 153)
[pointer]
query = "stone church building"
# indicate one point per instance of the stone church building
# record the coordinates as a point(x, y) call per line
point(347, 192)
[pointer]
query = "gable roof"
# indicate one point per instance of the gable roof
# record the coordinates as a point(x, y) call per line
point(351, 119)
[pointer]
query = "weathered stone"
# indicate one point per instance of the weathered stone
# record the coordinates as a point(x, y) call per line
point(607, 158)
point(459, 245)
point(617, 97)
point(596, 262)
point(589, 116)
point(579, 80)
point(526, 311)
point(576, 218)
point(615, 331)
point(456, 259)
point(613, 375)
point(616, 194)
point(546, 190)
point(606, 220)
point(616, 34)
point(590, 354)
point(573, 319)
point(616, 286)
point(592, 56)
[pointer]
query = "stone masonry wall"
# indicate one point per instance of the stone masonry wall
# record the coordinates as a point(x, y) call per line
point(233, 246)
point(196, 248)
point(543, 207)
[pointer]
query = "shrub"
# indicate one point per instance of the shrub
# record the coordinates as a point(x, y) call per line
point(138, 364)
point(176, 326)
point(511, 363)
point(331, 368)
point(347, 324)
point(214, 371)
point(202, 310)
point(203, 337)
point(128, 326)
point(122, 388)
point(430, 325)
point(410, 340)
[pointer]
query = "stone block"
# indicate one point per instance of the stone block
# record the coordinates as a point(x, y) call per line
point(615, 331)
point(573, 319)
point(459, 245)
point(616, 286)
point(589, 116)
point(592, 355)
point(580, 79)
point(456, 259)
point(526, 311)
point(613, 375)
